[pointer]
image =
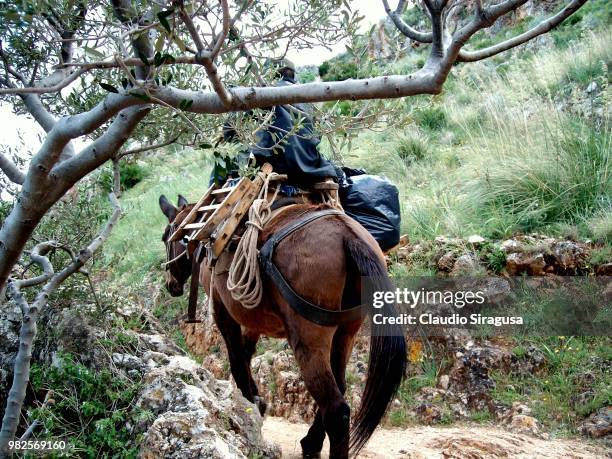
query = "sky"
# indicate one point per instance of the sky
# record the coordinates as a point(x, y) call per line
point(372, 10)
point(30, 131)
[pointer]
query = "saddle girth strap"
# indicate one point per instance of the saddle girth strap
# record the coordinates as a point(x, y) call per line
point(300, 305)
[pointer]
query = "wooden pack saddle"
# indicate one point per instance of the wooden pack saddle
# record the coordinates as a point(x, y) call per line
point(219, 212)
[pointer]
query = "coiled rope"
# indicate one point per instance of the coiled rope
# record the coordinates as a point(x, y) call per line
point(244, 279)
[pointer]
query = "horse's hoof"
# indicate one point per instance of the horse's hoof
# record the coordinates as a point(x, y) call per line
point(309, 450)
point(261, 404)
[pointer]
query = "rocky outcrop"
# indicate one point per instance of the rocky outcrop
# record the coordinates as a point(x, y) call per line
point(279, 380)
point(197, 415)
point(189, 412)
point(534, 255)
point(598, 424)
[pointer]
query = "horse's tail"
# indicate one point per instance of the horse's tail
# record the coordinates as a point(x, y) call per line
point(387, 363)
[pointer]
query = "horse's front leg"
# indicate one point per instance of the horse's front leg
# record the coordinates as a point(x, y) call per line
point(249, 340)
point(236, 350)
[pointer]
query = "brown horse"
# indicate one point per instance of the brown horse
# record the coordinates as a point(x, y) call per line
point(324, 262)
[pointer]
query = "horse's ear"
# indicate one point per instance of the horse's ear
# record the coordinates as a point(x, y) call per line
point(182, 201)
point(167, 208)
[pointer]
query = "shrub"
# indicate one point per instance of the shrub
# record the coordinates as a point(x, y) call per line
point(555, 176)
point(5, 209)
point(412, 148)
point(130, 173)
point(91, 407)
point(431, 118)
point(306, 77)
point(338, 70)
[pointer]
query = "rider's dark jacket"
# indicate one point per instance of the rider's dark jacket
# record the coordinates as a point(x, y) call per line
point(289, 143)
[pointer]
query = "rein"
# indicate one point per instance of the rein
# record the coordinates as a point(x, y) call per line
point(195, 274)
point(168, 249)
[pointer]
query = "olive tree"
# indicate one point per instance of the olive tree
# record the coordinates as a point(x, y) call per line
point(133, 75)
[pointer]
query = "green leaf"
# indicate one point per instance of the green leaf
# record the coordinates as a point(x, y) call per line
point(205, 146)
point(108, 87)
point(93, 52)
point(159, 43)
point(162, 16)
point(157, 59)
point(143, 58)
point(143, 97)
point(180, 43)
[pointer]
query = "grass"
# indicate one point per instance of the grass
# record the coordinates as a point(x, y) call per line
point(134, 252)
point(495, 155)
point(574, 366)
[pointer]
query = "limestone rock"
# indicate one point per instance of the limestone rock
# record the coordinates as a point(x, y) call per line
point(428, 413)
point(525, 424)
point(466, 264)
point(196, 415)
point(604, 269)
point(530, 263)
point(518, 418)
point(599, 424)
point(279, 381)
point(447, 261)
point(511, 246)
point(443, 382)
point(476, 239)
point(569, 256)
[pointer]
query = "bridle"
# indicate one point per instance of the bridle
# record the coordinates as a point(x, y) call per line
point(195, 269)
point(170, 256)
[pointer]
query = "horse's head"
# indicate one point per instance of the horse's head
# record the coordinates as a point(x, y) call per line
point(178, 265)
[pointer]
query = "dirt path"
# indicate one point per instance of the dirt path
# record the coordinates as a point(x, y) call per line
point(469, 442)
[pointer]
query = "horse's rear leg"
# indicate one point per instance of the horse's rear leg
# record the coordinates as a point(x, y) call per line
point(240, 349)
point(342, 346)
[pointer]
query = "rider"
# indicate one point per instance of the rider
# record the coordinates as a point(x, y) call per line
point(288, 143)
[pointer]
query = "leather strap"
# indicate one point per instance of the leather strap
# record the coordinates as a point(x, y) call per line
point(300, 305)
point(194, 287)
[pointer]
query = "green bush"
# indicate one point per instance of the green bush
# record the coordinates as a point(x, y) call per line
point(5, 209)
point(565, 178)
point(338, 70)
point(412, 148)
point(324, 68)
point(90, 409)
point(306, 77)
point(432, 118)
point(131, 174)
point(593, 14)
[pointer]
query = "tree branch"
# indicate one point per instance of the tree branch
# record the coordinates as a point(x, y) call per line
point(405, 29)
point(154, 146)
point(21, 372)
point(485, 17)
point(11, 170)
point(206, 57)
point(543, 27)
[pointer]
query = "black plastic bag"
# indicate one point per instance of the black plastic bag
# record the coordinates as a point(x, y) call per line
point(374, 202)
